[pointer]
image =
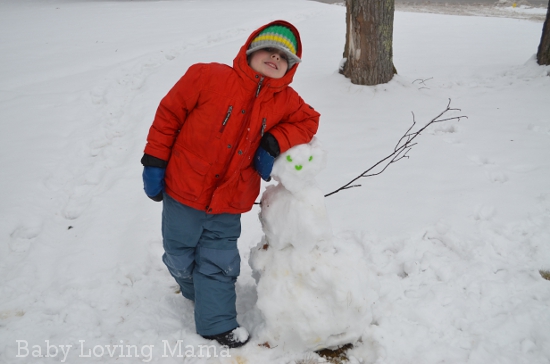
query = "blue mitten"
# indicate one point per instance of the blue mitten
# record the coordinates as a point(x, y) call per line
point(263, 162)
point(153, 182)
point(265, 156)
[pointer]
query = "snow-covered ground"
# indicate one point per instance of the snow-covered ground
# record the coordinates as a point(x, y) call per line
point(456, 235)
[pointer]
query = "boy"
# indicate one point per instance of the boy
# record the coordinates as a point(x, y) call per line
point(215, 134)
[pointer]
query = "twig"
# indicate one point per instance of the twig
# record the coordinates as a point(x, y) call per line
point(403, 146)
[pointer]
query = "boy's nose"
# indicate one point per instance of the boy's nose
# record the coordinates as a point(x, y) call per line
point(275, 55)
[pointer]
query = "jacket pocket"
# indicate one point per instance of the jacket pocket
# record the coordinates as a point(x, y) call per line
point(186, 173)
point(247, 188)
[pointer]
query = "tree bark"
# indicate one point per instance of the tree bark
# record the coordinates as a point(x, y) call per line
point(543, 54)
point(369, 41)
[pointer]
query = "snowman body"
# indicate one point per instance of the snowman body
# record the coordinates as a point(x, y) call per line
point(305, 224)
point(314, 290)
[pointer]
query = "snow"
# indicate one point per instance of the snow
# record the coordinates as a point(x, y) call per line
point(240, 334)
point(454, 236)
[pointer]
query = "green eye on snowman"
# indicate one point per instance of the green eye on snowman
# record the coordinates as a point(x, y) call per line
point(298, 166)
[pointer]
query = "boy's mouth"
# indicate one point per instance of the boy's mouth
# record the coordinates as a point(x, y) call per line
point(272, 65)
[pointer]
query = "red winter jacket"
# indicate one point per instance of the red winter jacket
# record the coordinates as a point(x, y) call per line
point(209, 126)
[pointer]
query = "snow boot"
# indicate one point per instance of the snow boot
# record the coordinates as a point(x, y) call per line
point(233, 338)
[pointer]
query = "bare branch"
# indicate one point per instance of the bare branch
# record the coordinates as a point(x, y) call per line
point(403, 146)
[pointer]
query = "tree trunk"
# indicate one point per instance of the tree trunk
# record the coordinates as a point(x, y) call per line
point(369, 41)
point(543, 54)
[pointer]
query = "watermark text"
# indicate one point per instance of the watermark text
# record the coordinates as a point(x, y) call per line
point(174, 349)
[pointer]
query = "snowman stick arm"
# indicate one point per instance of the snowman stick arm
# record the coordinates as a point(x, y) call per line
point(398, 154)
point(403, 146)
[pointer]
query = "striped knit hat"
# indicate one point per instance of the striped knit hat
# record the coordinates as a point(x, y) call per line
point(280, 37)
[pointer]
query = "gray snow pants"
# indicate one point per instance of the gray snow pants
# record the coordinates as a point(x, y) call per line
point(201, 254)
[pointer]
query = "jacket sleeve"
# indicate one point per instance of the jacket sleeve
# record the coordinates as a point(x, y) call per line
point(299, 125)
point(172, 112)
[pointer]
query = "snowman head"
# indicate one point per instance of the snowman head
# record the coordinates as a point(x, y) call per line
point(297, 167)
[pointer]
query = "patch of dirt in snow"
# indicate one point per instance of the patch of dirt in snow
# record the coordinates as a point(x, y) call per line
point(503, 9)
point(520, 9)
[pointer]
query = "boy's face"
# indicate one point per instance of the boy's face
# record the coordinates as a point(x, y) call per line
point(270, 62)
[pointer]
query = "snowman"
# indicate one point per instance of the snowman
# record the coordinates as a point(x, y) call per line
point(314, 290)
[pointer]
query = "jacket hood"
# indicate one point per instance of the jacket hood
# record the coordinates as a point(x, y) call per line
point(240, 62)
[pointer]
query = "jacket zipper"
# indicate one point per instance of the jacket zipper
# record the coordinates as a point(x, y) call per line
point(264, 121)
point(259, 86)
point(243, 126)
point(226, 118)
